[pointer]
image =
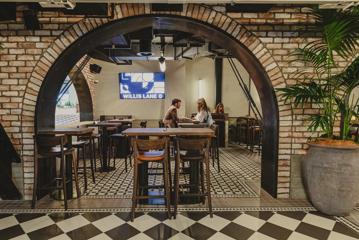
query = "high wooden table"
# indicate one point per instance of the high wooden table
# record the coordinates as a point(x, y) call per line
point(171, 132)
point(105, 141)
point(69, 132)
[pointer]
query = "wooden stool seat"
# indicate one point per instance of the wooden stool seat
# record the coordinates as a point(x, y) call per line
point(54, 151)
point(151, 156)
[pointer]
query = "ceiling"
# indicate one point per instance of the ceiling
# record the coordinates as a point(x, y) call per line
point(150, 43)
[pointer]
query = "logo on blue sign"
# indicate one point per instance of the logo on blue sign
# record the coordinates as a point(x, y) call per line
point(142, 85)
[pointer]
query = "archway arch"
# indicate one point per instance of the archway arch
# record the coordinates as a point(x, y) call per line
point(215, 26)
point(83, 92)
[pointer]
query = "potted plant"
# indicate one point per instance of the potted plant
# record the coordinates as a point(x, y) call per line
point(331, 165)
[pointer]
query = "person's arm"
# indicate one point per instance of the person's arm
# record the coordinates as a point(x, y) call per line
point(200, 116)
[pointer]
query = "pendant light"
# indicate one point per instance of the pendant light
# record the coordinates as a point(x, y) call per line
point(162, 62)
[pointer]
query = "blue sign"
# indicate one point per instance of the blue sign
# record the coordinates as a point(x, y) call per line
point(142, 85)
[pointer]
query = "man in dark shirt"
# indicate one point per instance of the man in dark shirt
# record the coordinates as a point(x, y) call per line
point(171, 118)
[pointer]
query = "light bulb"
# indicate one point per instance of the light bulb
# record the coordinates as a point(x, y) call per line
point(163, 66)
point(162, 62)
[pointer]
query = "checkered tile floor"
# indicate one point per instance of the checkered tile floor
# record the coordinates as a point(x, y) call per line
point(237, 169)
point(259, 225)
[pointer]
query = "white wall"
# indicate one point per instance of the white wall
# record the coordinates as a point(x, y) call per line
point(182, 81)
point(233, 98)
point(201, 83)
point(107, 90)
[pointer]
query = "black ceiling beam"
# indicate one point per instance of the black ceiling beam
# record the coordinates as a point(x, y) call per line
point(7, 12)
point(86, 9)
point(160, 7)
point(30, 19)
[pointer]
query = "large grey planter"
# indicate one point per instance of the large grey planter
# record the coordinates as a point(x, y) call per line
point(331, 177)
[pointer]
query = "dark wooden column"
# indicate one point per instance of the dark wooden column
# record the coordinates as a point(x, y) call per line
point(218, 71)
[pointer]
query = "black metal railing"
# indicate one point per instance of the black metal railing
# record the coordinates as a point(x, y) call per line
point(72, 77)
point(245, 89)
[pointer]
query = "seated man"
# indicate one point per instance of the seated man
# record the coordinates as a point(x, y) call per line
point(171, 117)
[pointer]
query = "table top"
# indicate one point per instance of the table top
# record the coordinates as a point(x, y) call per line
point(129, 120)
point(193, 125)
point(202, 132)
point(67, 131)
point(104, 124)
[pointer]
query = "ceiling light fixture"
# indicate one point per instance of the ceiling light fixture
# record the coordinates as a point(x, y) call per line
point(162, 62)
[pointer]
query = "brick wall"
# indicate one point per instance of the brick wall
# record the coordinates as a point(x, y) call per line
point(27, 55)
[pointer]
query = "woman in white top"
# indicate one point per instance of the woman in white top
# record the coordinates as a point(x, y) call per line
point(203, 115)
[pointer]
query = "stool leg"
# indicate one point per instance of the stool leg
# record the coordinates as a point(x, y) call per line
point(213, 152)
point(100, 151)
point(217, 156)
point(203, 190)
point(176, 185)
point(208, 181)
point(94, 153)
point(114, 146)
point(167, 188)
point(84, 165)
point(126, 168)
point(92, 159)
point(134, 193)
point(63, 172)
point(75, 166)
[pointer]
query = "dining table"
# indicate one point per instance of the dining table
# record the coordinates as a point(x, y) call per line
point(69, 133)
point(104, 125)
point(194, 166)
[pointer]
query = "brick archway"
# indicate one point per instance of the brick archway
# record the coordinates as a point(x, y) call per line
point(192, 12)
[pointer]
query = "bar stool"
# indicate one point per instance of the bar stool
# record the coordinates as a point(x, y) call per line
point(143, 124)
point(154, 150)
point(97, 138)
point(215, 147)
point(49, 146)
point(256, 137)
point(110, 131)
point(195, 151)
point(121, 144)
point(81, 145)
point(96, 149)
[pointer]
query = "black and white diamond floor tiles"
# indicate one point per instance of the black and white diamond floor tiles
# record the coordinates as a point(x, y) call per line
point(258, 225)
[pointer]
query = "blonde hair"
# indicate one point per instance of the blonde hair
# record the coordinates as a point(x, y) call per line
point(202, 105)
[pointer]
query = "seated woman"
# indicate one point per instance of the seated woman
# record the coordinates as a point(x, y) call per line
point(203, 115)
point(219, 108)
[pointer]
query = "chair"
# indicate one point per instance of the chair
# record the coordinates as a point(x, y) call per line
point(81, 145)
point(97, 148)
point(195, 150)
point(241, 129)
point(146, 151)
point(143, 124)
point(120, 146)
point(53, 146)
point(109, 131)
point(215, 146)
point(255, 136)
